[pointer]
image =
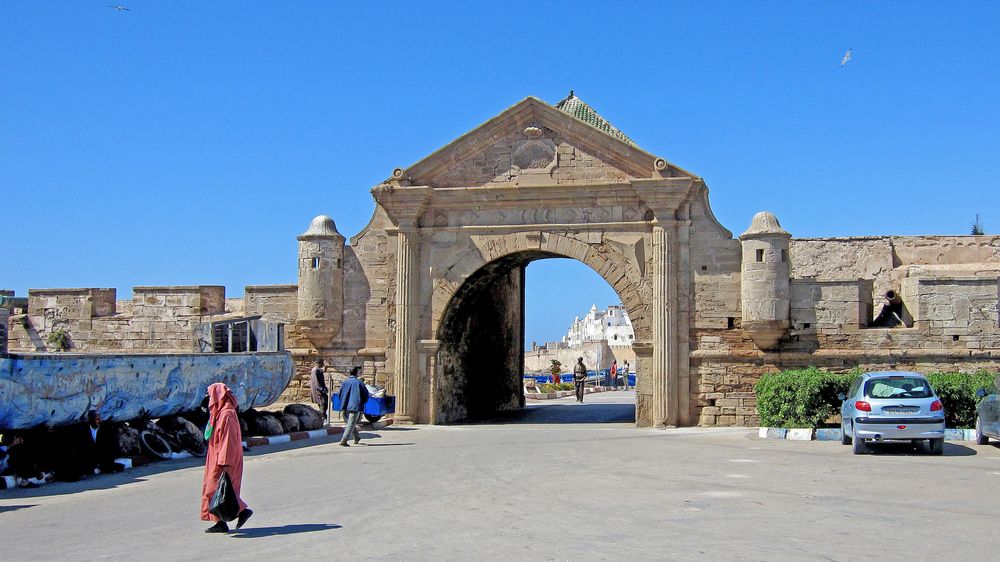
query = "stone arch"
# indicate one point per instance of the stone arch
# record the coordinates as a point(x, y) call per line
point(609, 263)
point(477, 317)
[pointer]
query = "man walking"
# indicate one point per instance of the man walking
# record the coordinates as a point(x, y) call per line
point(318, 391)
point(579, 378)
point(625, 369)
point(353, 395)
point(614, 374)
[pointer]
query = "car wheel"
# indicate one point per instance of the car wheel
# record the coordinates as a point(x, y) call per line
point(372, 418)
point(845, 439)
point(859, 446)
point(980, 438)
point(936, 446)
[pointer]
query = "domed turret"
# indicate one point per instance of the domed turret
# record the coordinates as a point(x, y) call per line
point(765, 291)
point(321, 281)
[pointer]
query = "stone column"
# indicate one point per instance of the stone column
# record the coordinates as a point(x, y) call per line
point(429, 349)
point(4, 319)
point(407, 285)
point(664, 376)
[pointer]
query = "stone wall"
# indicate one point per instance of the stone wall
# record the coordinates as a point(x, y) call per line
point(837, 288)
point(156, 320)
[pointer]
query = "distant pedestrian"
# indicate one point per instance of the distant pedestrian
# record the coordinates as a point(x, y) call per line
point(318, 391)
point(225, 453)
point(614, 374)
point(353, 395)
point(625, 373)
point(579, 378)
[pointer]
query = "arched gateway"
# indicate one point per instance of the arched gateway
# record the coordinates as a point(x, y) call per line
point(536, 181)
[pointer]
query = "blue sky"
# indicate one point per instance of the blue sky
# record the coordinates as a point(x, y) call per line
point(190, 142)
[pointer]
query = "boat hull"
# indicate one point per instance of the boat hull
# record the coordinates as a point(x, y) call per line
point(59, 389)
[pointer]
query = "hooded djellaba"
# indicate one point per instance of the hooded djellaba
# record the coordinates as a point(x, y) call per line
point(225, 453)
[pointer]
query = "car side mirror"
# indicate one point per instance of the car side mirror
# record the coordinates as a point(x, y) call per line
point(981, 392)
point(841, 396)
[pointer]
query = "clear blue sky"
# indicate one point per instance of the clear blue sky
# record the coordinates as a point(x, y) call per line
point(190, 142)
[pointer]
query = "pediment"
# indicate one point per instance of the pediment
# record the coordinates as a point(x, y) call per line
point(535, 144)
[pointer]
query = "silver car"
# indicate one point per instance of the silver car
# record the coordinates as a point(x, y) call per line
point(988, 413)
point(891, 406)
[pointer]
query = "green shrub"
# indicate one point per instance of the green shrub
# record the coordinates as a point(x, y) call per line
point(808, 397)
point(58, 339)
point(549, 387)
point(958, 395)
point(800, 397)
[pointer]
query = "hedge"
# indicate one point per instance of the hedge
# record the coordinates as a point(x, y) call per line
point(808, 397)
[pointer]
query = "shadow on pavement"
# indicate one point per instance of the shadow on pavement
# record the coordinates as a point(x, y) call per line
point(140, 472)
point(6, 508)
point(564, 413)
point(906, 449)
point(257, 532)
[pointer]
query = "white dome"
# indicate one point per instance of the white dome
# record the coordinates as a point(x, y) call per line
point(322, 226)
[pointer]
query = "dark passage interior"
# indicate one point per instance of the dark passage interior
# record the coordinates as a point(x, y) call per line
point(481, 354)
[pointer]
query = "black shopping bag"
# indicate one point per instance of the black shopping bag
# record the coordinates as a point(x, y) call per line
point(224, 505)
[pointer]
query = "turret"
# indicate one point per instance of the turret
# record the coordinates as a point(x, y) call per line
point(765, 288)
point(321, 282)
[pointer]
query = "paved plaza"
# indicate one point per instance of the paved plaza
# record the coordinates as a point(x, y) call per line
point(562, 481)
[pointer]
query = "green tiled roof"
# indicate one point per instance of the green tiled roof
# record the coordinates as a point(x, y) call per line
point(577, 108)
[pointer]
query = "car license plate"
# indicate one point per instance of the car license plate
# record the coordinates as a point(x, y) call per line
point(899, 410)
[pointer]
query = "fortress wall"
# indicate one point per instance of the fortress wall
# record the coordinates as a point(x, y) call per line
point(836, 288)
point(156, 320)
point(715, 269)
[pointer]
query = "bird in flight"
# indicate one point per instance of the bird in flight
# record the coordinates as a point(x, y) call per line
point(847, 57)
point(120, 8)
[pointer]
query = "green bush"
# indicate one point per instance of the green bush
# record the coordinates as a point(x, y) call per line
point(808, 397)
point(958, 395)
point(800, 397)
point(549, 387)
point(58, 339)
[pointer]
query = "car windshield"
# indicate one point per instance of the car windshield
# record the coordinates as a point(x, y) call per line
point(897, 387)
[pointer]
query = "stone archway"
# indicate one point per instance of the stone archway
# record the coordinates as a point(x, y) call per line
point(479, 358)
point(534, 182)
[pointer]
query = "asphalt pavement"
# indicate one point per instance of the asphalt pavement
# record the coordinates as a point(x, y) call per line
point(560, 481)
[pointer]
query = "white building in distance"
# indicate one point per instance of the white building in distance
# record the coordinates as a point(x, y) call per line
point(612, 325)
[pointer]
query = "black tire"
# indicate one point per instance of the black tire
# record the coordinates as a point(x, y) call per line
point(859, 447)
point(155, 445)
point(936, 446)
point(845, 439)
point(372, 418)
point(980, 438)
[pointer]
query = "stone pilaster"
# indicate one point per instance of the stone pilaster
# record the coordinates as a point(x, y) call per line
point(664, 376)
point(429, 349)
point(407, 284)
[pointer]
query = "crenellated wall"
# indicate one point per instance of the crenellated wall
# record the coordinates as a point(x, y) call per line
point(949, 286)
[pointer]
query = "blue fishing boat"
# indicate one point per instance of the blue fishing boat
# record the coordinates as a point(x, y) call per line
point(59, 388)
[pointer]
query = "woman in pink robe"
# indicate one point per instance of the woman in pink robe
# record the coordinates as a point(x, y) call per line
point(225, 452)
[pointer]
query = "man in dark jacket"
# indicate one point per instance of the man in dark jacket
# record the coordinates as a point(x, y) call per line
point(353, 395)
point(317, 388)
point(579, 378)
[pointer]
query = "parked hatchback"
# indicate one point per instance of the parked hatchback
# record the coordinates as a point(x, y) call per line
point(892, 406)
point(988, 413)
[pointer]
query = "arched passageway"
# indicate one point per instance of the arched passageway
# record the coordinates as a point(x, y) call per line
point(481, 352)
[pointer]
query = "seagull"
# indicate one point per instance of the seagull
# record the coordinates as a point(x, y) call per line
point(120, 8)
point(847, 57)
